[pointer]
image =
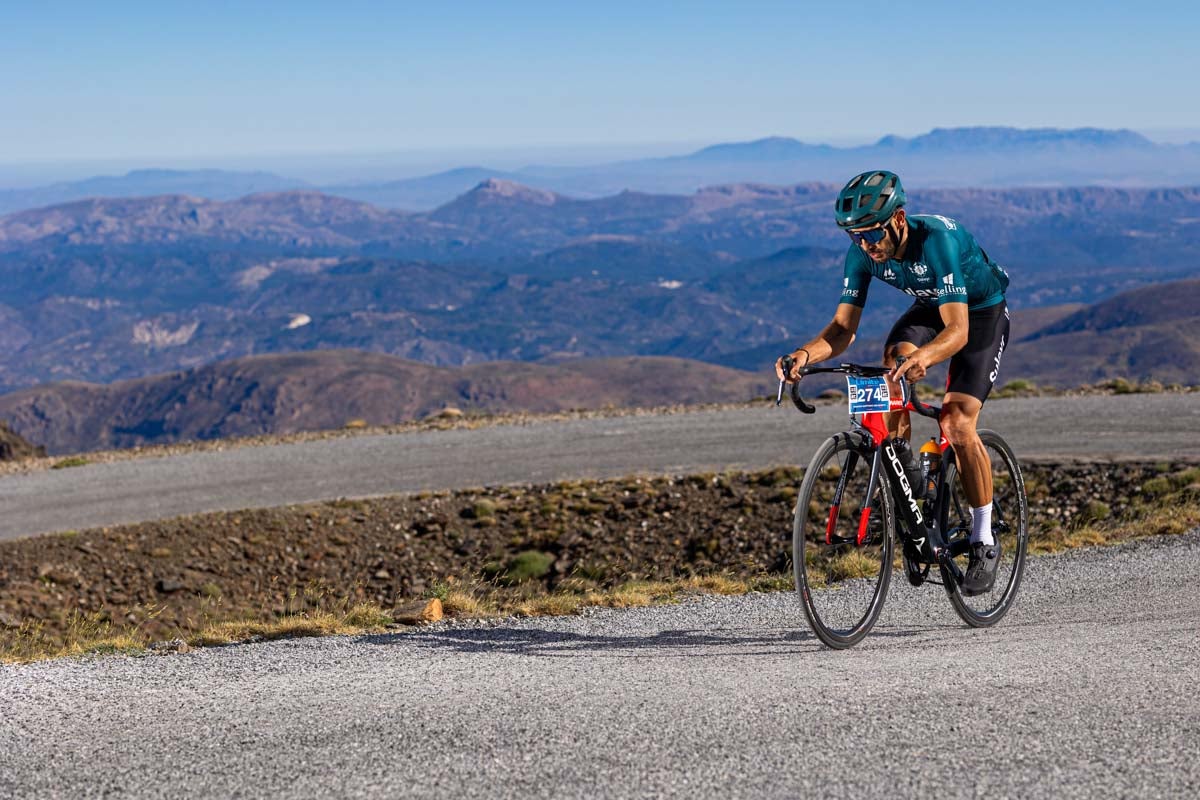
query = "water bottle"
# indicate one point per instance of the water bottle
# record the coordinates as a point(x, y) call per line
point(931, 461)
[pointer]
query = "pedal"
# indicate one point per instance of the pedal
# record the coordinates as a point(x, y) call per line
point(959, 547)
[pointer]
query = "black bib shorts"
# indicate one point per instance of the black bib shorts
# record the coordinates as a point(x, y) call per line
point(973, 369)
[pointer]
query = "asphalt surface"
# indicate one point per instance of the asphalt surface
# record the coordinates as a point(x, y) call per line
point(1103, 428)
point(1087, 689)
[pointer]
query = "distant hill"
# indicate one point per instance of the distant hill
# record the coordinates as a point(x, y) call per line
point(1149, 305)
point(426, 192)
point(294, 219)
point(212, 184)
point(1149, 333)
point(993, 139)
point(944, 157)
point(772, 148)
point(326, 389)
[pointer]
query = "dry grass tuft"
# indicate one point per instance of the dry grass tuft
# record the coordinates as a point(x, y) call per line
point(1169, 515)
point(85, 635)
point(853, 564)
point(459, 603)
point(361, 618)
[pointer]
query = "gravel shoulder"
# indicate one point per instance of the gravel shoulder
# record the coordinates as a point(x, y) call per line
point(1085, 690)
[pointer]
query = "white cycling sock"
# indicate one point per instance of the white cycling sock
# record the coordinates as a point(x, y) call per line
point(981, 525)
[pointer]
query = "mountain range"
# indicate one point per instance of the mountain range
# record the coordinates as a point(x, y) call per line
point(214, 184)
point(943, 157)
point(119, 288)
point(1154, 331)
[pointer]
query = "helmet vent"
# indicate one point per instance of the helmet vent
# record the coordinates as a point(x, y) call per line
point(869, 198)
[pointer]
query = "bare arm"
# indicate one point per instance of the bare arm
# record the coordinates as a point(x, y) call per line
point(952, 339)
point(831, 341)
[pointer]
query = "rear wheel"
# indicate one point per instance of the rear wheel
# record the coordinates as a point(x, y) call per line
point(1010, 519)
point(842, 552)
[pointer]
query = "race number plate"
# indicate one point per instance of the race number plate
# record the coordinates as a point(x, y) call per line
point(867, 394)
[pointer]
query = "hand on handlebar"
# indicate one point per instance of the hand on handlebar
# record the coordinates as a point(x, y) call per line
point(787, 368)
point(913, 367)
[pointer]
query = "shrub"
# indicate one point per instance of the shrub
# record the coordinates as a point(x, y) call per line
point(1096, 511)
point(1156, 486)
point(71, 461)
point(482, 509)
point(528, 565)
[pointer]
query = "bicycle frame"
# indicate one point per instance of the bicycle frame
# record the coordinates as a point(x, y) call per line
point(924, 534)
point(919, 527)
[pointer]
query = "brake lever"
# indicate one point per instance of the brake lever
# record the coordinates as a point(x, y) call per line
point(787, 362)
point(908, 394)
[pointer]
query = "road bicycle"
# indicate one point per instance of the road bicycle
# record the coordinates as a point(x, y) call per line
point(858, 496)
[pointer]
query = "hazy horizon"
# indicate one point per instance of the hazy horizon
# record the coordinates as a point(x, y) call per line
point(350, 167)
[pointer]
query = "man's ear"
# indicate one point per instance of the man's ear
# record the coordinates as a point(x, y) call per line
point(900, 216)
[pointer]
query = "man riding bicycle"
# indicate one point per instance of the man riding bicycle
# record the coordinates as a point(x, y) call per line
point(959, 314)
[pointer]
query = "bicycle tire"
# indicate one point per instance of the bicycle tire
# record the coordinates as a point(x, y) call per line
point(843, 584)
point(1010, 526)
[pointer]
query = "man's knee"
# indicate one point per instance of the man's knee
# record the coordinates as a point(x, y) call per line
point(958, 423)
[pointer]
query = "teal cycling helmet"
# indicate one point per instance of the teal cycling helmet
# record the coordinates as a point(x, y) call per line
point(868, 199)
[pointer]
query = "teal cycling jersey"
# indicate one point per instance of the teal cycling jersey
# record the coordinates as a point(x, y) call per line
point(942, 264)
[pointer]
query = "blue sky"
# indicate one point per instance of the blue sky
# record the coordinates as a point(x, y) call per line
point(165, 81)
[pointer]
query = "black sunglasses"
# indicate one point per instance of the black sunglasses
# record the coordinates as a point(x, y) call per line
point(873, 236)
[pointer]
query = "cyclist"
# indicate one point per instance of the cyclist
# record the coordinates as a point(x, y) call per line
point(959, 313)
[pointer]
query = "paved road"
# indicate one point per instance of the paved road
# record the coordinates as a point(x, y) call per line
point(1086, 690)
point(1130, 426)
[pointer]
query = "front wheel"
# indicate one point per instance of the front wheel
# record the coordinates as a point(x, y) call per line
point(842, 542)
point(1010, 520)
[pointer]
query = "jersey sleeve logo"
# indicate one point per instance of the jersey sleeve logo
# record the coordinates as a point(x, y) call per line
point(948, 287)
point(919, 270)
